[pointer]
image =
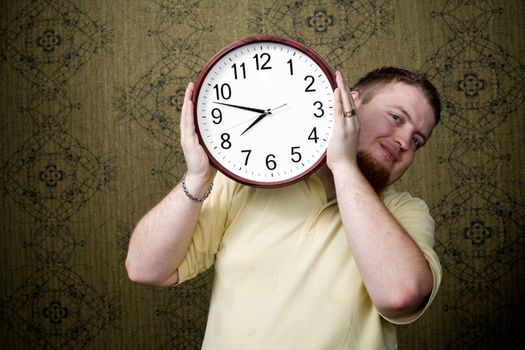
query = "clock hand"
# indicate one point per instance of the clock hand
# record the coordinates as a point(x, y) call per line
point(242, 107)
point(261, 117)
point(273, 109)
point(236, 125)
point(240, 123)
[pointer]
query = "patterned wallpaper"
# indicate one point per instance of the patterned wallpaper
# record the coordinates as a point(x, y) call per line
point(91, 93)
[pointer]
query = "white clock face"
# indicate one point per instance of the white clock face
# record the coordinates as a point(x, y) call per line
point(264, 112)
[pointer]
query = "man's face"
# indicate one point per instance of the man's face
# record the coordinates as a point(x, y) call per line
point(395, 123)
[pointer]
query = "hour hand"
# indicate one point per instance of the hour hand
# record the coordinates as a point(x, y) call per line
point(259, 118)
point(256, 110)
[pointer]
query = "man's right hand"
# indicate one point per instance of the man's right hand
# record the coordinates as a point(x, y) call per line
point(199, 171)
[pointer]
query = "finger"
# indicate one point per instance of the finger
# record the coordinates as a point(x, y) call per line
point(183, 114)
point(347, 106)
point(190, 121)
point(347, 97)
point(338, 106)
point(186, 121)
point(351, 99)
point(348, 91)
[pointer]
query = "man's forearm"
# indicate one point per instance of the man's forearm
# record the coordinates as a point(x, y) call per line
point(161, 239)
point(393, 268)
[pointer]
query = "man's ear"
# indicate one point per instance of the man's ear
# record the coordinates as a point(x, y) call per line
point(357, 98)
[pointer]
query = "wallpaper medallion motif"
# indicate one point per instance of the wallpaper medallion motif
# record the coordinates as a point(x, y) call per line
point(51, 177)
point(90, 101)
point(334, 29)
point(154, 104)
point(479, 223)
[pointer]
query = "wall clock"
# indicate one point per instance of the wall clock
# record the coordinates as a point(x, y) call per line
point(264, 110)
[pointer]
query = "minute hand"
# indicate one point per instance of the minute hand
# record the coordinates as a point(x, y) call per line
point(242, 107)
point(259, 118)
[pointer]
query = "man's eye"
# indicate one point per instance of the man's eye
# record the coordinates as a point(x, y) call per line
point(416, 142)
point(396, 117)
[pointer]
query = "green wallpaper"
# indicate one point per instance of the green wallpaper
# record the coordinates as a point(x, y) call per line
point(90, 96)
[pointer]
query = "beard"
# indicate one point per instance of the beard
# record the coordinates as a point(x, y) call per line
point(376, 174)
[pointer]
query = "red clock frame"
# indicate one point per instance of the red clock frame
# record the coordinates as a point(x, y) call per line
point(200, 79)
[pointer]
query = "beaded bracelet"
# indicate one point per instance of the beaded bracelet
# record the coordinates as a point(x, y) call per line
point(192, 197)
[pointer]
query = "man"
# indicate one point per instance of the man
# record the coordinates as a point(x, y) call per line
point(331, 262)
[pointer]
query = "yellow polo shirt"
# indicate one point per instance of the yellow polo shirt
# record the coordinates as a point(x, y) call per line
point(285, 277)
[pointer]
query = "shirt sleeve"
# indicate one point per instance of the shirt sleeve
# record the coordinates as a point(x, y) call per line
point(210, 228)
point(414, 216)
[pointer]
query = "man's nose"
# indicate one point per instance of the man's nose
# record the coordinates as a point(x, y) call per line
point(403, 140)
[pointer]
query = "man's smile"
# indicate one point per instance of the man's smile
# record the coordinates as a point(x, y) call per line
point(390, 153)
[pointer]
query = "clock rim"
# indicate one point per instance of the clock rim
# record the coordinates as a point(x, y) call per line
point(203, 74)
